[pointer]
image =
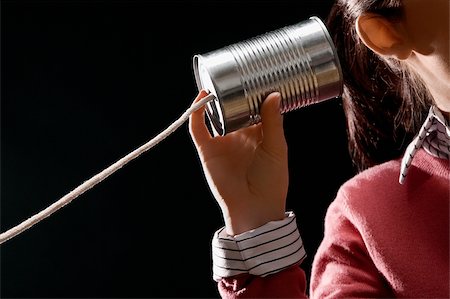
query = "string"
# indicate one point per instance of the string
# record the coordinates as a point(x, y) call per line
point(14, 231)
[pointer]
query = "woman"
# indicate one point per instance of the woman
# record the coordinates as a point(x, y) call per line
point(387, 231)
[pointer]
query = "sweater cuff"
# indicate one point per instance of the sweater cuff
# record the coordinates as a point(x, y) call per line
point(262, 251)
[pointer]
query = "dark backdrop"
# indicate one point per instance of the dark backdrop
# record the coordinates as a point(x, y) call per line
point(84, 83)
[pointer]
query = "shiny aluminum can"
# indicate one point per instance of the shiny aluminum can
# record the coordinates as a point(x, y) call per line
point(299, 61)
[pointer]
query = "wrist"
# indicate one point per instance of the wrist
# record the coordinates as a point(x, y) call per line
point(242, 221)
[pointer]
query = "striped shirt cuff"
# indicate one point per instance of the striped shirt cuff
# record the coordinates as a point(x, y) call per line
point(263, 251)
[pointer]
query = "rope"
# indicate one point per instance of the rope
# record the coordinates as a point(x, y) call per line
point(103, 174)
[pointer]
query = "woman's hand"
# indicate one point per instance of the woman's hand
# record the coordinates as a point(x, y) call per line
point(247, 170)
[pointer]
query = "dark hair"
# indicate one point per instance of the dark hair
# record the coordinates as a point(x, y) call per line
point(385, 102)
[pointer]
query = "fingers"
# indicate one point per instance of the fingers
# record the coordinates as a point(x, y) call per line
point(272, 123)
point(197, 127)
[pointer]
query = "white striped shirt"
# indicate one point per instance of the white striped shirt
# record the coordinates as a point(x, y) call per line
point(265, 250)
point(277, 245)
point(434, 137)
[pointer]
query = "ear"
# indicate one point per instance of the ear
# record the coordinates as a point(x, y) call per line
point(383, 36)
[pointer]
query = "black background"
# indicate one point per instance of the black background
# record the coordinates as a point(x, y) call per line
point(84, 83)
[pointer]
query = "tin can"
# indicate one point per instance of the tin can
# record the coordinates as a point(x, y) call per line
point(299, 61)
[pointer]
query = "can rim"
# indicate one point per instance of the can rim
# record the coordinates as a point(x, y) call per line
point(215, 117)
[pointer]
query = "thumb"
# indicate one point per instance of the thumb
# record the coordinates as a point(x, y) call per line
point(272, 123)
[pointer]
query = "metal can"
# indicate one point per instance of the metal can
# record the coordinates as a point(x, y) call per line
point(299, 61)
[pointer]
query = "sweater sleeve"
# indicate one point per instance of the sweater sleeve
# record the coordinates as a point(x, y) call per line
point(263, 262)
point(342, 265)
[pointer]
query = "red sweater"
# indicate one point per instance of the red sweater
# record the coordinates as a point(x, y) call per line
point(382, 239)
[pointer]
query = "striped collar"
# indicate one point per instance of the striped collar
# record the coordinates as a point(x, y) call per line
point(433, 137)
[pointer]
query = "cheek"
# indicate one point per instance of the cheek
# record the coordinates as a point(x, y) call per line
point(427, 23)
point(444, 42)
point(443, 16)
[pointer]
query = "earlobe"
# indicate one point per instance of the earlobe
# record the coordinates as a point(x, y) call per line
point(383, 36)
